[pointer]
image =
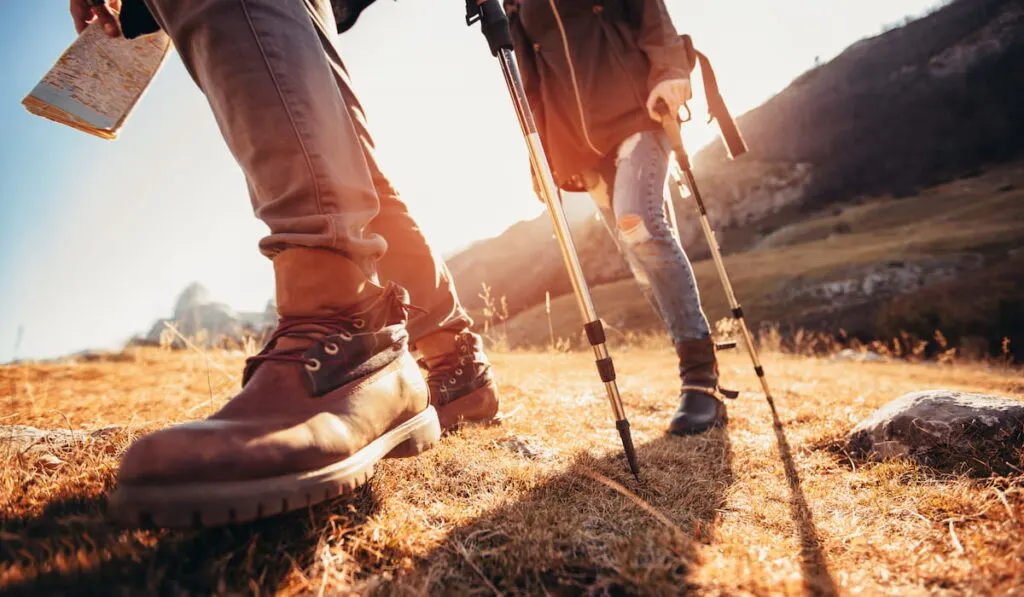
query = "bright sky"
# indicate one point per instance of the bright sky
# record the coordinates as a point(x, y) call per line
point(97, 238)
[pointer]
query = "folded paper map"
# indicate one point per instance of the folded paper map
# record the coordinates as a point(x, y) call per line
point(96, 83)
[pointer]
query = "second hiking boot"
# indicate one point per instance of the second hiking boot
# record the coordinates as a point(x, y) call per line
point(699, 407)
point(334, 391)
point(462, 387)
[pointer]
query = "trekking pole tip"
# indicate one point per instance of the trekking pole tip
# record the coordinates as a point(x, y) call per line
point(627, 445)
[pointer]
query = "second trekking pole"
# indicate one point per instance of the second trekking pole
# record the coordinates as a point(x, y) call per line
point(495, 27)
point(684, 176)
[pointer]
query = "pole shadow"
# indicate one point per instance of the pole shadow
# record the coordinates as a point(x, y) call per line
point(816, 575)
point(576, 535)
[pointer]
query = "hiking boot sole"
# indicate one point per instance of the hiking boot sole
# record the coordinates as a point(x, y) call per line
point(214, 504)
point(477, 406)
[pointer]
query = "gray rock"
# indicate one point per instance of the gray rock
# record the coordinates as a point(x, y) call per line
point(48, 462)
point(22, 438)
point(849, 354)
point(529, 449)
point(106, 432)
point(28, 440)
point(944, 429)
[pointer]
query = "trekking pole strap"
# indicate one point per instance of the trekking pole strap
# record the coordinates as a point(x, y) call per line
point(717, 110)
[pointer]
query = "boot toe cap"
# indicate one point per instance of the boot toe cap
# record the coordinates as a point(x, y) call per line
point(698, 412)
point(175, 454)
point(223, 451)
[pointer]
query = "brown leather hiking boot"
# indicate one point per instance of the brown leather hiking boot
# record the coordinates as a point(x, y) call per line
point(462, 388)
point(334, 391)
point(699, 407)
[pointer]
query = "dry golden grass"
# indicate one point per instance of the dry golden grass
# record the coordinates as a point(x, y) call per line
point(528, 506)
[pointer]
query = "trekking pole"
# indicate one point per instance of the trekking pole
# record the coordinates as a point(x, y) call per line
point(495, 27)
point(670, 213)
point(684, 170)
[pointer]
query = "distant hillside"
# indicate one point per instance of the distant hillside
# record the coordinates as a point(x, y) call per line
point(949, 259)
point(910, 108)
point(918, 105)
point(525, 257)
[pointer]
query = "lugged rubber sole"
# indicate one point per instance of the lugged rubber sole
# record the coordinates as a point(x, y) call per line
point(479, 405)
point(214, 504)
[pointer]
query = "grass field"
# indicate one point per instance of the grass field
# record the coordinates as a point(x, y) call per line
point(539, 504)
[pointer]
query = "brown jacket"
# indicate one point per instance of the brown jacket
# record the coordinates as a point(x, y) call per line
point(588, 67)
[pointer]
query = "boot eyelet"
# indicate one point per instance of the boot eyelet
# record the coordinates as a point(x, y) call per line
point(451, 381)
point(331, 348)
point(359, 323)
point(345, 337)
point(313, 365)
point(458, 372)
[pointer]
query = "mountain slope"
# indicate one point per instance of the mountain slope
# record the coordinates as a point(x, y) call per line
point(921, 104)
point(950, 259)
point(909, 108)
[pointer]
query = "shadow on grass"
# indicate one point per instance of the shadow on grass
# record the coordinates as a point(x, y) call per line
point(576, 534)
point(816, 575)
point(71, 548)
point(573, 534)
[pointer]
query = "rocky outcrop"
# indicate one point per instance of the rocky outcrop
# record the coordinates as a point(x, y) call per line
point(207, 322)
point(991, 40)
point(945, 429)
point(876, 281)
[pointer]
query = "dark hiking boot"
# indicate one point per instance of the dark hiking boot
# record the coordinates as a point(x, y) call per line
point(334, 391)
point(462, 388)
point(699, 407)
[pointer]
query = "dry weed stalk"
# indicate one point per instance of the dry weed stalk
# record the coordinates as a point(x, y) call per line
point(495, 315)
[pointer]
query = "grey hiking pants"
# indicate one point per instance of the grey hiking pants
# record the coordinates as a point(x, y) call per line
point(285, 106)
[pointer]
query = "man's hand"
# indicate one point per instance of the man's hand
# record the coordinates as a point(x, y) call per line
point(674, 92)
point(84, 11)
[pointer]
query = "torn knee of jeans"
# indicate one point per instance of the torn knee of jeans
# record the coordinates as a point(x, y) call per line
point(633, 229)
point(626, 147)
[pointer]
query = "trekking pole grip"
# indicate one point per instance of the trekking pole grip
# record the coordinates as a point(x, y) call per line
point(493, 23)
point(671, 125)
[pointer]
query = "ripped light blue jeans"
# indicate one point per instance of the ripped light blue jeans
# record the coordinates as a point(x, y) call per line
point(633, 193)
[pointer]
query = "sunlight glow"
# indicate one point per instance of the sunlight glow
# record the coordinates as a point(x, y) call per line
point(99, 237)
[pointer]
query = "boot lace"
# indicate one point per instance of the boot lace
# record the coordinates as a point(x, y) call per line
point(448, 365)
point(307, 328)
point(317, 329)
